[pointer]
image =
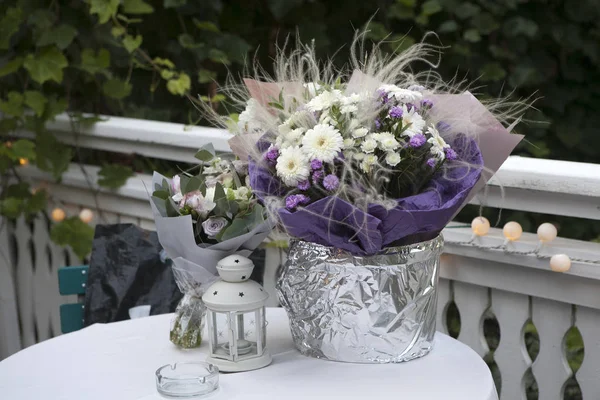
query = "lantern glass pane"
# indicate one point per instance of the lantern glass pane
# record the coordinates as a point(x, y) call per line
point(220, 347)
point(263, 327)
point(245, 334)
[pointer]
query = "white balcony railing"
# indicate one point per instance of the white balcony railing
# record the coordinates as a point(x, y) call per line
point(513, 289)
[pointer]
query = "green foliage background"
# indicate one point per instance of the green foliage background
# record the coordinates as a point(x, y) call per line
point(143, 58)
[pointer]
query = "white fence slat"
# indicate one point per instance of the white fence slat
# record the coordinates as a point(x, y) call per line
point(126, 219)
point(147, 224)
point(58, 261)
point(444, 297)
point(588, 375)
point(472, 301)
point(24, 282)
point(45, 285)
point(552, 320)
point(10, 336)
point(108, 217)
point(512, 312)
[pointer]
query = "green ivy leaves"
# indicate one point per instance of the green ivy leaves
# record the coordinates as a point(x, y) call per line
point(105, 9)
point(9, 25)
point(116, 88)
point(75, 233)
point(61, 36)
point(137, 7)
point(47, 65)
point(113, 176)
point(94, 62)
point(131, 43)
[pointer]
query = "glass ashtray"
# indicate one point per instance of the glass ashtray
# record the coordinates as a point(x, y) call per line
point(187, 380)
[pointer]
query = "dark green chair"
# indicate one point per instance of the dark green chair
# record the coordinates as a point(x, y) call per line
point(72, 280)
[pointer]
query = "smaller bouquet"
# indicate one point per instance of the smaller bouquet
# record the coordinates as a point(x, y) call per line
point(202, 216)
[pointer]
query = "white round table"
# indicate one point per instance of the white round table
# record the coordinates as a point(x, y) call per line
point(118, 361)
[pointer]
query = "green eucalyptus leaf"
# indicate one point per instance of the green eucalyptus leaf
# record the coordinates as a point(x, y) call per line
point(244, 224)
point(194, 183)
point(9, 25)
point(161, 194)
point(75, 233)
point(11, 66)
point(116, 88)
point(47, 65)
point(105, 9)
point(132, 43)
point(161, 204)
point(219, 193)
point(61, 36)
point(36, 101)
point(137, 7)
point(206, 153)
point(113, 176)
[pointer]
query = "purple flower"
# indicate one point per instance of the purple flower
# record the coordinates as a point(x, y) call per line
point(417, 140)
point(450, 154)
point(432, 162)
point(410, 106)
point(271, 156)
point(331, 182)
point(304, 185)
point(303, 199)
point(396, 112)
point(317, 176)
point(291, 202)
point(316, 164)
point(427, 103)
point(377, 123)
point(442, 126)
point(383, 96)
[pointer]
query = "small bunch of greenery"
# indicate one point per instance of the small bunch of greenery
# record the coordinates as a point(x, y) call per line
point(215, 194)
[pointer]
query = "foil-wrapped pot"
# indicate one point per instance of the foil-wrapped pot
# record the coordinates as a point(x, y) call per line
point(363, 309)
point(187, 324)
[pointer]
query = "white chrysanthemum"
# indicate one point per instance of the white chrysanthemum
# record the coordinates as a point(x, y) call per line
point(387, 141)
point(360, 132)
point(349, 103)
point(438, 144)
point(325, 118)
point(324, 100)
point(392, 158)
point(359, 156)
point(413, 119)
point(312, 88)
point(349, 143)
point(292, 166)
point(368, 161)
point(403, 95)
point(248, 120)
point(323, 142)
point(369, 144)
point(285, 128)
point(290, 139)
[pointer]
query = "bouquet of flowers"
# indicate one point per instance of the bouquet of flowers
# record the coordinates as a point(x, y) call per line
point(202, 216)
point(364, 167)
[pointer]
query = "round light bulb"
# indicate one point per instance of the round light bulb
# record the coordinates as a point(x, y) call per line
point(480, 226)
point(86, 215)
point(58, 214)
point(512, 231)
point(560, 263)
point(23, 161)
point(547, 232)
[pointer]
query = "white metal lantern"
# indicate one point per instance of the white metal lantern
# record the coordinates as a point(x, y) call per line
point(236, 318)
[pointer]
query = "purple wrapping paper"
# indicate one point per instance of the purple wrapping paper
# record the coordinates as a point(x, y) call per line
point(334, 222)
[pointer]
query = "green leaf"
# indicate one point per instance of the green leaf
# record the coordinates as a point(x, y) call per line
point(11, 66)
point(181, 85)
point(205, 76)
point(431, 7)
point(75, 233)
point(164, 62)
point(244, 224)
point(280, 9)
point(51, 155)
point(37, 202)
point(23, 148)
point(206, 26)
point(13, 105)
point(113, 176)
point(47, 65)
point(485, 23)
point(472, 35)
point(132, 43)
point(187, 41)
point(218, 56)
point(116, 88)
point(105, 9)
point(407, 3)
point(192, 184)
point(54, 107)
point(400, 43)
point(42, 19)
point(492, 72)
point(137, 7)
point(448, 27)
point(400, 11)
point(94, 62)
point(117, 31)
point(206, 153)
point(377, 31)
point(9, 25)
point(36, 101)
point(11, 207)
point(61, 36)
point(174, 3)
point(19, 190)
point(520, 26)
point(467, 10)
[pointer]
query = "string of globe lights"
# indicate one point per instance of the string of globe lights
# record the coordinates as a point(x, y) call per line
point(512, 232)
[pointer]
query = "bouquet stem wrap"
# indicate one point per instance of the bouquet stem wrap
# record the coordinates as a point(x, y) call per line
point(365, 309)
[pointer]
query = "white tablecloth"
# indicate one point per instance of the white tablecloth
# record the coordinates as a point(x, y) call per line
point(117, 361)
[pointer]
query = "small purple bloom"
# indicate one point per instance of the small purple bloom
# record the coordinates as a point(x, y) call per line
point(316, 164)
point(417, 140)
point(396, 112)
point(383, 96)
point(331, 182)
point(304, 185)
point(450, 154)
point(432, 162)
point(317, 176)
point(442, 126)
point(291, 202)
point(272, 154)
point(377, 123)
point(410, 106)
point(302, 199)
point(427, 103)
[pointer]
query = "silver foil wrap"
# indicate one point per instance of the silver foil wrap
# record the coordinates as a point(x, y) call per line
point(371, 309)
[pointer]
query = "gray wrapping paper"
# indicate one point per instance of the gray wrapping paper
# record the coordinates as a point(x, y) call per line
point(372, 309)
